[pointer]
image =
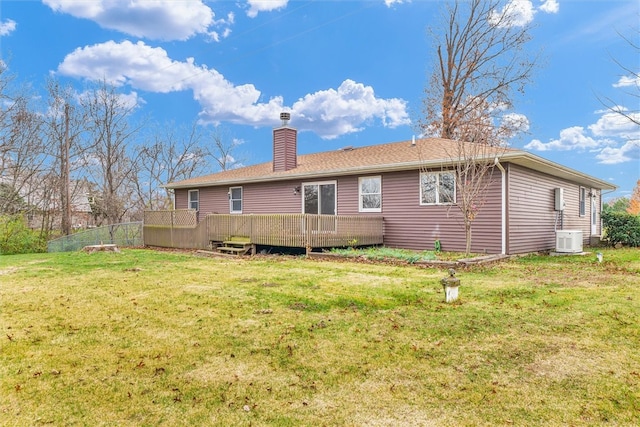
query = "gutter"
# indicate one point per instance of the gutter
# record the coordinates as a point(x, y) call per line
point(503, 207)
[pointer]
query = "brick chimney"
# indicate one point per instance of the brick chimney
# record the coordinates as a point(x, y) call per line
point(285, 141)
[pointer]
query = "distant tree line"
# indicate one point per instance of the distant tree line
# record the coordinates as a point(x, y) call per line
point(90, 150)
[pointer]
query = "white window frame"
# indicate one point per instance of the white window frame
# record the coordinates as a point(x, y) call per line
point(582, 201)
point(320, 224)
point(361, 207)
point(191, 201)
point(231, 200)
point(437, 197)
point(318, 184)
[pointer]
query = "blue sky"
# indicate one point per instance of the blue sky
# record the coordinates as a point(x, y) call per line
point(350, 72)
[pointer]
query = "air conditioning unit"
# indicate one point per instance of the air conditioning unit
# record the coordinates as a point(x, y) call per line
point(569, 241)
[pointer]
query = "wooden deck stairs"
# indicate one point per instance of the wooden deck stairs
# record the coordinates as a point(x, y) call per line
point(238, 245)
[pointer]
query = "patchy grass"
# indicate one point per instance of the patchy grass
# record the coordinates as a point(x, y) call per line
point(159, 338)
point(382, 253)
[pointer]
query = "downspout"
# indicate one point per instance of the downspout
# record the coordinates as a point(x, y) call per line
point(503, 197)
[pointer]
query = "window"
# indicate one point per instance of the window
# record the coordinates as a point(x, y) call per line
point(235, 199)
point(320, 198)
point(583, 201)
point(370, 197)
point(194, 199)
point(437, 188)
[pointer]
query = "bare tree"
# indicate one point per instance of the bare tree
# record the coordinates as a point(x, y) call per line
point(171, 153)
point(223, 148)
point(479, 66)
point(23, 154)
point(108, 162)
point(630, 81)
point(176, 153)
point(65, 122)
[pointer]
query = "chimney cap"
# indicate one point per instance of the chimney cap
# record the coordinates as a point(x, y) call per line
point(285, 117)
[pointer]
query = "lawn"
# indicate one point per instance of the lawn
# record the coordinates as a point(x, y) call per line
point(144, 338)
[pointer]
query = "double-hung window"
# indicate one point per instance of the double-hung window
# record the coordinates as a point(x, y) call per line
point(194, 199)
point(437, 188)
point(370, 194)
point(235, 199)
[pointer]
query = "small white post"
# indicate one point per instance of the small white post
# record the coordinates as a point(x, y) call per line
point(450, 285)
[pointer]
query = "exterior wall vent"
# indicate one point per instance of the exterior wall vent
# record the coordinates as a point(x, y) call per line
point(569, 241)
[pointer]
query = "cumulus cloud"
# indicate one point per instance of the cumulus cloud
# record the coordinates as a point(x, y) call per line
point(573, 138)
point(330, 113)
point(256, 6)
point(334, 112)
point(158, 19)
point(518, 13)
point(550, 6)
point(628, 152)
point(628, 81)
point(615, 124)
point(7, 27)
point(614, 137)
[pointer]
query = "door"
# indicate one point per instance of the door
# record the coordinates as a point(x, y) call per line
point(594, 213)
point(319, 198)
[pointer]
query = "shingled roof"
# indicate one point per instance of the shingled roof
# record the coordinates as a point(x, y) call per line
point(396, 156)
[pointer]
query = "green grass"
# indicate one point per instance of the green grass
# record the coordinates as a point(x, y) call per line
point(376, 253)
point(163, 338)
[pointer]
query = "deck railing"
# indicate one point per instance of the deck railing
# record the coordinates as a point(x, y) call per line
point(288, 230)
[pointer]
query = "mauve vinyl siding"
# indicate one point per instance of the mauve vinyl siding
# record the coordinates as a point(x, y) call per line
point(407, 224)
point(284, 149)
point(532, 216)
point(412, 226)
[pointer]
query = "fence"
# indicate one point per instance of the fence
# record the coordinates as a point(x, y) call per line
point(125, 234)
point(287, 230)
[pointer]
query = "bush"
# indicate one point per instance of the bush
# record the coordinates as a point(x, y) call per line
point(17, 238)
point(621, 227)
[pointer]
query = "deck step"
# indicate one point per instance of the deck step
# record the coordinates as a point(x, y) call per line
point(238, 246)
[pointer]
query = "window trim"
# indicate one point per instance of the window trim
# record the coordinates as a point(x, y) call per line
point(319, 183)
point(190, 200)
point(231, 200)
point(437, 188)
point(360, 194)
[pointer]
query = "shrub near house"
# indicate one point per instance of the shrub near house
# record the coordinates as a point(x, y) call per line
point(622, 228)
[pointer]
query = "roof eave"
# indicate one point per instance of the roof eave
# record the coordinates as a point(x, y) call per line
point(394, 167)
point(540, 164)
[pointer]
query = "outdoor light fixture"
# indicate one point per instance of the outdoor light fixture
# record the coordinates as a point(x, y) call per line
point(296, 191)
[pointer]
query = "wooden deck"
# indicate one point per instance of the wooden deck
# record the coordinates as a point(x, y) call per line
point(180, 229)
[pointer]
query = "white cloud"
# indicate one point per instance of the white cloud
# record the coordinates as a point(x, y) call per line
point(615, 124)
point(7, 27)
point(602, 137)
point(330, 113)
point(518, 13)
point(573, 138)
point(628, 81)
point(628, 152)
point(550, 6)
point(516, 121)
point(390, 3)
point(256, 6)
point(158, 19)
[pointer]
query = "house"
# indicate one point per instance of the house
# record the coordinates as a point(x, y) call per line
point(410, 187)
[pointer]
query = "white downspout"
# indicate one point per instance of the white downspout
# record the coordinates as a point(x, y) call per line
point(503, 188)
